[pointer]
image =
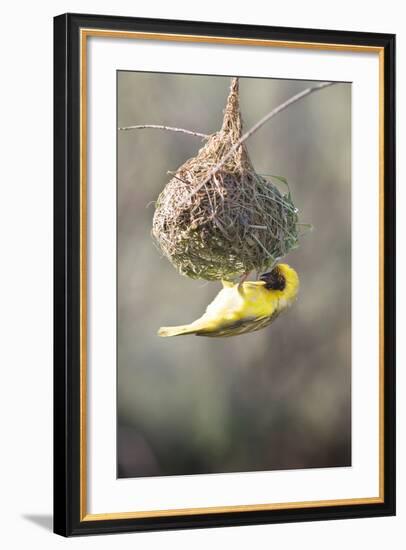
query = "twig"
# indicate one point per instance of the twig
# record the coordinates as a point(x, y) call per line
point(257, 126)
point(169, 128)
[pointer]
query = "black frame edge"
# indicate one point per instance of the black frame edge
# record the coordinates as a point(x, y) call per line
point(215, 28)
point(60, 473)
point(66, 277)
point(390, 274)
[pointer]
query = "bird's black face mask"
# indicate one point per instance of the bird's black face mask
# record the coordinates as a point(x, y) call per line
point(274, 280)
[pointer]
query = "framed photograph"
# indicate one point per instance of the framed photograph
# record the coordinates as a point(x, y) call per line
point(224, 274)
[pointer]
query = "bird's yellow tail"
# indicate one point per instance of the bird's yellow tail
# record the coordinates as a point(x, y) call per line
point(165, 332)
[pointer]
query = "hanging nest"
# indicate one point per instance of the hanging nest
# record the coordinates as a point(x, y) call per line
point(219, 224)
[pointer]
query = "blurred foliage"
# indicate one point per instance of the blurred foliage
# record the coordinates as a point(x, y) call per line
point(275, 399)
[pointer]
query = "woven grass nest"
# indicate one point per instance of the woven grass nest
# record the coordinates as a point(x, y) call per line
point(222, 223)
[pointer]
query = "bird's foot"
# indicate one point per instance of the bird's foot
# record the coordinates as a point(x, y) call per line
point(243, 279)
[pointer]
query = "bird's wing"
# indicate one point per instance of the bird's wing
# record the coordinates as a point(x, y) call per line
point(242, 326)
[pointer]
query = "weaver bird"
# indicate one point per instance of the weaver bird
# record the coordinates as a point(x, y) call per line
point(244, 307)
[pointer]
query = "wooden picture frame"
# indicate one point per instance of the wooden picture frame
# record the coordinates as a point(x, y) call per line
point(71, 33)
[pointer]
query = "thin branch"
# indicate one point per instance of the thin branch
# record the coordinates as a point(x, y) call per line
point(169, 128)
point(258, 125)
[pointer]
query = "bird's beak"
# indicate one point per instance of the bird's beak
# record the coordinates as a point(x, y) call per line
point(274, 280)
point(265, 276)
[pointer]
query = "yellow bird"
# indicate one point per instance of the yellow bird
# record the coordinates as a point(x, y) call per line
point(244, 307)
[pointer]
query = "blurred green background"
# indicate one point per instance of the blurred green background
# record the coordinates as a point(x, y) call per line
point(279, 398)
